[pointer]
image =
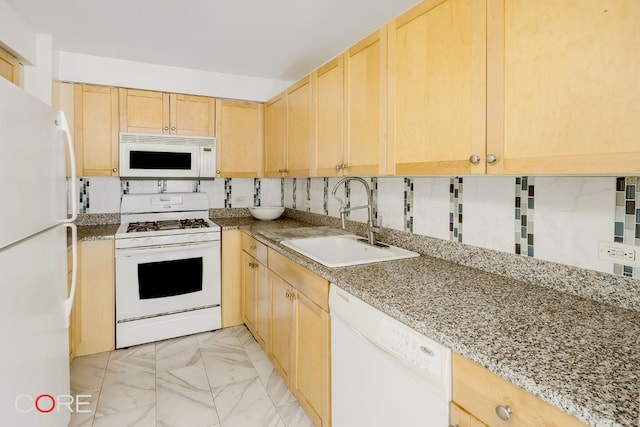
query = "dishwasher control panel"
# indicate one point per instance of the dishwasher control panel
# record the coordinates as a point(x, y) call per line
point(415, 349)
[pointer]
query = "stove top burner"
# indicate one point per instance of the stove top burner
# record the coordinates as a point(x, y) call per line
point(173, 224)
point(134, 227)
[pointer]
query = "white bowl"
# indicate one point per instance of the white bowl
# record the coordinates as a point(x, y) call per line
point(266, 213)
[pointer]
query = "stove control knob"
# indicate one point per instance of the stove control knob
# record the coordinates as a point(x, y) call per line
point(148, 241)
point(134, 242)
point(193, 238)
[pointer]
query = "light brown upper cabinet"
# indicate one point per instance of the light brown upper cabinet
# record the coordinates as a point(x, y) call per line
point(437, 86)
point(239, 142)
point(300, 128)
point(144, 111)
point(365, 105)
point(275, 137)
point(563, 93)
point(329, 106)
point(10, 68)
point(95, 125)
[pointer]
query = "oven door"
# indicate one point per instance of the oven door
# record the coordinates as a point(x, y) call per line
point(159, 160)
point(167, 279)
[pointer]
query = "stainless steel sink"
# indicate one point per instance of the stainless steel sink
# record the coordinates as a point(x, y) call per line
point(345, 250)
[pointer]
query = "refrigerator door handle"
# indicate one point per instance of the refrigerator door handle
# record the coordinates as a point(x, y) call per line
point(62, 123)
point(68, 302)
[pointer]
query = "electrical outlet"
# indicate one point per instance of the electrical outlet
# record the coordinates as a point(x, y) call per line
point(240, 199)
point(619, 253)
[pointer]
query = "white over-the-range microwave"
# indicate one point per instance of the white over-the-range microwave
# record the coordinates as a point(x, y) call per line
point(167, 156)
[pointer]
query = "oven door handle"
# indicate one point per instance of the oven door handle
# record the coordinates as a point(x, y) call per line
point(165, 248)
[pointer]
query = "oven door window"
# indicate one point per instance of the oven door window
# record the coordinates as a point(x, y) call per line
point(169, 278)
point(154, 160)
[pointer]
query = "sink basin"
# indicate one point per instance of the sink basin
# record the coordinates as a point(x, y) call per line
point(344, 250)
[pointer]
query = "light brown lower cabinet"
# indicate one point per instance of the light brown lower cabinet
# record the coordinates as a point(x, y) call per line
point(461, 418)
point(483, 394)
point(92, 326)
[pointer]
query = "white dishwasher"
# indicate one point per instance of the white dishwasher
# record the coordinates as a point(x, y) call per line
point(384, 373)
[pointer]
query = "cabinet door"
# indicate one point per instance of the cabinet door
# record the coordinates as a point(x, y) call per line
point(437, 88)
point(365, 105)
point(10, 68)
point(311, 379)
point(330, 118)
point(461, 418)
point(192, 115)
point(62, 98)
point(96, 130)
point(144, 111)
point(263, 306)
point(274, 137)
point(239, 142)
point(300, 129)
point(282, 319)
point(563, 94)
point(97, 297)
point(249, 277)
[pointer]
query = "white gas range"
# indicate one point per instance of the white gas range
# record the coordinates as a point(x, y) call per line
point(167, 268)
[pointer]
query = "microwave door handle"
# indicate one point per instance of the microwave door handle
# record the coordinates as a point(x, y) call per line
point(62, 123)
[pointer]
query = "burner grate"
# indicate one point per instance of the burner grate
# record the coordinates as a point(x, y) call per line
point(135, 227)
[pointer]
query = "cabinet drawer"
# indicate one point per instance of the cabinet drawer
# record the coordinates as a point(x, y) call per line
point(480, 391)
point(310, 284)
point(254, 248)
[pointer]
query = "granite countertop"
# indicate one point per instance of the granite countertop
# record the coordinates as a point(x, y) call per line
point(580, 355)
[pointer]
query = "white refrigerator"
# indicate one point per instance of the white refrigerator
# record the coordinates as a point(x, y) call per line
point(34, 300)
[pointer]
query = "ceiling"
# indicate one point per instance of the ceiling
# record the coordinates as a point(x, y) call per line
point(278, 39)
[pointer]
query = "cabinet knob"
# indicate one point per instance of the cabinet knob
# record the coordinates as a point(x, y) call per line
point(173, 128)
point(338, 167)
point(280, 170)
point(474, 159)
point(503, 412)
point(288, 295)
point(114, 170)
point(491, 158)
point(252, 247)
point(166, 128)
point(218, 172)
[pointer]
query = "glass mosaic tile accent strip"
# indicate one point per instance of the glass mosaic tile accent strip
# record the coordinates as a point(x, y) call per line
point(256, 191)
point(83, 194)
point(295, 186)
point(227, 192)
point(308, 195)
point(408, 205)
point(455, 209)
point(281, 191)
point(627, 220)
point(374, 197)
point(124, 187)
point(325, 195)
point(524, 214)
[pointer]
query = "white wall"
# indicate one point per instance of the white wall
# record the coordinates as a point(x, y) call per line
point(76, 67)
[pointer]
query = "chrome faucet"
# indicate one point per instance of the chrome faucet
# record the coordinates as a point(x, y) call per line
point(372, 229)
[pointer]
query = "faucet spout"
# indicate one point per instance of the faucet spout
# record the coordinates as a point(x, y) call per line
point(372, 229)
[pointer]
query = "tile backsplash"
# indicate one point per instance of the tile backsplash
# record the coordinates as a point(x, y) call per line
point(559, 219)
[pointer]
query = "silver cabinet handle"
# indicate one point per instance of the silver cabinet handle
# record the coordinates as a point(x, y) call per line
point(474, 159)
point(503, 412)
point(491, 158)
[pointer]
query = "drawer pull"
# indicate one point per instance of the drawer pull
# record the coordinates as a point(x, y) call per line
point(503, 412)
point(253, 247)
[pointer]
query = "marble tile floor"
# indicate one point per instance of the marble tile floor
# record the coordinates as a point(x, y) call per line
point(220, 378)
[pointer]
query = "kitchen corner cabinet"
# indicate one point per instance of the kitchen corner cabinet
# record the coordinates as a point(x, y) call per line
point(256, 290)
point(300, 328)
point(275, 160)
point(144, 111)
point(94, 306)
point(239, 144)
point(437, 88)
point(562, 87)
point(231, 278)
point(365, 105)
point(10, 68)
point(300, 128)
point(480, 392)
point(92, 112)
point(330, 151)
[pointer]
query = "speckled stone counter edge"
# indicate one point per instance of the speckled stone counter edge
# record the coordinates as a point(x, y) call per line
point(98, 219)
point(602, 287)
